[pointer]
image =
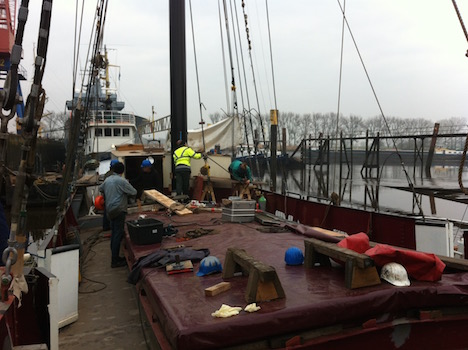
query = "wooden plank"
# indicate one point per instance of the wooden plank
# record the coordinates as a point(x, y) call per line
point(217, 288)
point(328, 232)
point(146, 207)
point(166, 201)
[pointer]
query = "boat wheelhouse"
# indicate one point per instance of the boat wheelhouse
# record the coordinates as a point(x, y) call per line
point(108, 128)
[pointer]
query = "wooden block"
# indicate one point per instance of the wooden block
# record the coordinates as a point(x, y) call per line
point(217, 288)
point(266, 291)
point(356, 277)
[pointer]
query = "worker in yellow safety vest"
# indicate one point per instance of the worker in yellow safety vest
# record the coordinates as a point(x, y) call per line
point(182, 157)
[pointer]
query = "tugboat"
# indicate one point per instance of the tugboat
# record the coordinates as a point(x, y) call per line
point(107, 124)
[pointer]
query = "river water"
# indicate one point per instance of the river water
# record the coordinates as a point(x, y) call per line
point(358, 192)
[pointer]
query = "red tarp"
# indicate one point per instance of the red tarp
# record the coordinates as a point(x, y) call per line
point(420, 266)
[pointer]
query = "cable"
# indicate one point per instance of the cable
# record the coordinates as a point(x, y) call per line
point(271, 54)
point(408, 179)
point(253, 76)
point(202, 123)
point(339, 91)
point(228, 103)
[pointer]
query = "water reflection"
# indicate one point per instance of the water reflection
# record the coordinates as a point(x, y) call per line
point(389, 192)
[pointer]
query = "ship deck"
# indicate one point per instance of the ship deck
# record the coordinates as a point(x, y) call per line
point(318, 309)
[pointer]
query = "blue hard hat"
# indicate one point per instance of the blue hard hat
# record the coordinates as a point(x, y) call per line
point(293, 256)
point(146, 163)
point(113, 162)
point(209, 265)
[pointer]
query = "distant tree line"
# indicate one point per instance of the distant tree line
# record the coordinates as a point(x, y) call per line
point(312, 125)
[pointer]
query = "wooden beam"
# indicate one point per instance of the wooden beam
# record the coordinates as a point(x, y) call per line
point(336, 252)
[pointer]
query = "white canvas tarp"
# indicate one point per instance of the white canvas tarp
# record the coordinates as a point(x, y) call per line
point(216, 134)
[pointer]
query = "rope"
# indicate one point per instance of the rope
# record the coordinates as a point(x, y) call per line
point(246, 85)
point(408, 179)
point(240, 81)
point(461, 21)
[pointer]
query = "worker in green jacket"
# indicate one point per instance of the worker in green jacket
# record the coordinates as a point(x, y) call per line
point(240, 171)
point(182, 157)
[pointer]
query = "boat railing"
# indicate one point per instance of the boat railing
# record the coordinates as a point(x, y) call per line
point(111, 117)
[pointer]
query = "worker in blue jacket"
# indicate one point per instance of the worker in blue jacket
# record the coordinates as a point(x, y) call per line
point(240, 171)
point(117, 190)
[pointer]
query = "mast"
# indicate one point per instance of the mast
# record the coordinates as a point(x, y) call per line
point(178, 71)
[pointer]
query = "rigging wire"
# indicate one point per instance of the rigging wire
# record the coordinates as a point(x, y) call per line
point(339, 91)
point(240, 68)
point(246, 112)
point(465, 149)
point(408, 179)
point(223, 55)
point(271, 55)
point(200, 103)
point(265, 95)
point(233, 81)
point(249, 42)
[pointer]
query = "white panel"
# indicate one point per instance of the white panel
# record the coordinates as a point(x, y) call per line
point(435, 238)
point(53, 313)
point(65, 266)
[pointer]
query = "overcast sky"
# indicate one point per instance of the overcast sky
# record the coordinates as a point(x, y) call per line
point(414, 52)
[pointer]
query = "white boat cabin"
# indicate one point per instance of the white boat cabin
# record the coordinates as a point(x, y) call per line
point(108, 128)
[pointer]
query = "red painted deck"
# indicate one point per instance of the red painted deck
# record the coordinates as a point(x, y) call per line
point(318, 309)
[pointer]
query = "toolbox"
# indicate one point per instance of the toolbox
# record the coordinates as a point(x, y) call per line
point(239, 215)
point(243, 204)
point(145, 231)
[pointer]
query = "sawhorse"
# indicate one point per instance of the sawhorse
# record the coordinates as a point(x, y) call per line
point(208, 189)
point(360, 270)
point(242, 190)
point(263, 283)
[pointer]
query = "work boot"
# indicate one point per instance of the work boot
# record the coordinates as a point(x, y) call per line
point(119, 263)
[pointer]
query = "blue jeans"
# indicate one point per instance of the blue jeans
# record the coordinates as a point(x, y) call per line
point(105, 221)
point(117, 233)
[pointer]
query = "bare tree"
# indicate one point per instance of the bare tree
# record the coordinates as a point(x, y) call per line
point(53, 125)
point(216, 117)
point(452, 126)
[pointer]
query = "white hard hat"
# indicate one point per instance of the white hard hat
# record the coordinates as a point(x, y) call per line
point(395, 274)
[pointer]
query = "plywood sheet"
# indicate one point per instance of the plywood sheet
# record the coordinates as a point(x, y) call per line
point(166, 201)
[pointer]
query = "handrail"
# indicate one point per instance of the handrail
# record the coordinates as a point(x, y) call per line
point(111, 117)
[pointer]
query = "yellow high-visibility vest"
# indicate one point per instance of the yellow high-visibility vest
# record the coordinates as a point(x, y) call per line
point(183, 154)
